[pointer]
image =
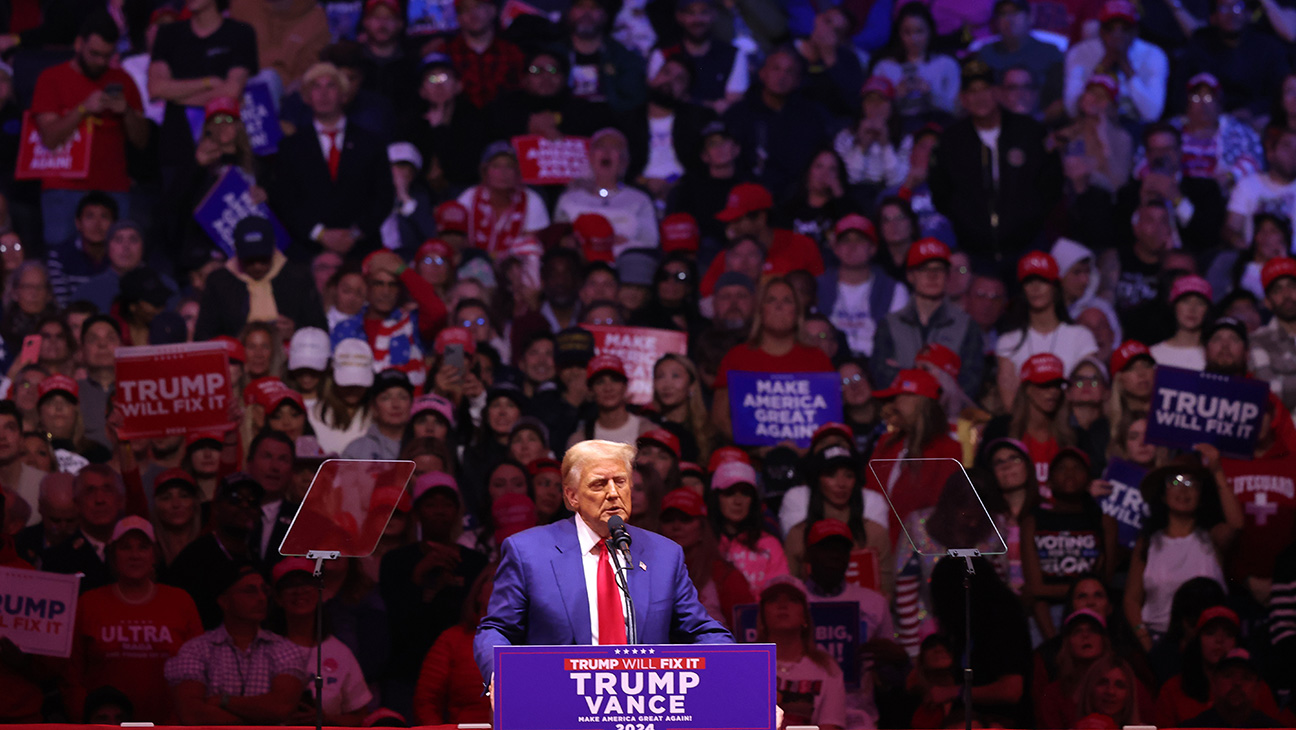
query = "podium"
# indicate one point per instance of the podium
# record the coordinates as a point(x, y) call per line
point(635, 687)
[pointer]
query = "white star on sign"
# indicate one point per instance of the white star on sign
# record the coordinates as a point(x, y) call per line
point(618, 651)
point(652, 651)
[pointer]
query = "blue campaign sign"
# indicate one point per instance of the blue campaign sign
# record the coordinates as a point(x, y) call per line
point(261, 119)
point(770, 408)
point(839, 631)
point(638, 687)
point(1190, 407)
point(228, 202)
point(1125, 503)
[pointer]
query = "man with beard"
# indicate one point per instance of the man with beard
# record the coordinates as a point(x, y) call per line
point(69, 94)
point(1226, 347)
point(666, 137)
point(235, 511)
point(1270, 191)
point(545, 105)
point(486, 63)
point(1273, 346)
point(732, 306)
point(717, 69)
point(602, 70)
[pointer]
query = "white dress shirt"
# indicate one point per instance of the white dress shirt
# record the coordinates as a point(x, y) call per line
point(590, 564)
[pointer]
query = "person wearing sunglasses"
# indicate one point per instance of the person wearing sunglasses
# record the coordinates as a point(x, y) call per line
point(235, 510)
point(447, 126)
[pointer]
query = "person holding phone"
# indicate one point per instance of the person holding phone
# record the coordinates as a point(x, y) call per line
point(83, 100)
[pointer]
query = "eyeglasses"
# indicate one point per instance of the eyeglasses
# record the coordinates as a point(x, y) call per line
point(1008, 461)
point(1093, 382)
point(7, 247)
point(962, 270)
point(434, 260)
point(219, 119)
point(1180, 481)
point(609, 321)
point(1202, 98)
point(535, 70)
point(480, 321)
point(437, 77)
point(816, 335)
point(678, 276)
point(850, 380)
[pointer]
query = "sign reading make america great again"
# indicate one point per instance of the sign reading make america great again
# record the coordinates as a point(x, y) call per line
point(636, 687)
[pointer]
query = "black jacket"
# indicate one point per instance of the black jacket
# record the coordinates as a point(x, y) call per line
point(996, 223)
point(304, 195)
point(224, 306)
point(686, 136)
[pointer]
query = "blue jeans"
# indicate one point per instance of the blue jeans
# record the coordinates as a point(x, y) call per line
point(58, 210)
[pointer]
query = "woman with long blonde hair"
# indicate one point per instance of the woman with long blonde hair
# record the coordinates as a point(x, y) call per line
point(677, 397)
point(784, 620)
point(1110, 688)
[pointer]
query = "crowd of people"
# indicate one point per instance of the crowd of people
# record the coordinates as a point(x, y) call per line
point(993, 219)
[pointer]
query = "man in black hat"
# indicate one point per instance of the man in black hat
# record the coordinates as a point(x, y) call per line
point(563, 407)
point(448, 127)
point(1233, 687)
point(704, 189)
point(258, 285)
point(1226, 343)
point(235, 512)
point(992, 176)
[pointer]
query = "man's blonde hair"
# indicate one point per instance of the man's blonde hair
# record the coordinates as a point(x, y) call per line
point(321, 69)
point(584, 453)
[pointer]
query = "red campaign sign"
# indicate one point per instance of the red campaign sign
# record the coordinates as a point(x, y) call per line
point(166, 390)
point(551, 161)
point(864, 570)
point(639, 348)
point(71, 161)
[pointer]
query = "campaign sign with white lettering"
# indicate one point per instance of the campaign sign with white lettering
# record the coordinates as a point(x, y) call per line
point(69, 161)
point(260, 118)
point(839, 631)
point(637, 687)
point(37, 610)
point(230, 201)
point(639, 349)
point(770, 408)
point(544, 161)
point(1125, 503)
point(1190, 407)
point(164, 390)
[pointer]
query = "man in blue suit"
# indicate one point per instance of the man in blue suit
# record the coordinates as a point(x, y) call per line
point(555, 584)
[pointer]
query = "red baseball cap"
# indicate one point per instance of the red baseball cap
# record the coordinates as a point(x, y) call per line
point(389, 497)
point(856, 222)
point(687, 468)
point(942, 357)
point(391, 5)
point(451, 216)
point(1042, 369)
point(434, 480)
point(436, 404)
point(745, 198)
point(879, 85)
point(685, 500)
point(596, 236)
point(222, 105)
point(679, 232)
point(1107, 83)
point(1129, 351)
point(732, 473)
point(1118, 10)
point(824, 529)
point(605, 363)
point(724, 455)
point(233, 348)
point(196, 437)
point(455, 336)
point(434, 247)
point(1217, 613)
point(914, 381)
point(1190, 284)
point(662, 437)
point(1275, 269)
point(1037, 263)
point(924, 250)
point(271, 395)
point(830, 428)
point(59, 384)
point(543, 464)
point(174, 474)
point(291, 565)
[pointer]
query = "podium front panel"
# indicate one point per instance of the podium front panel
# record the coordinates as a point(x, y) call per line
point(638, 687)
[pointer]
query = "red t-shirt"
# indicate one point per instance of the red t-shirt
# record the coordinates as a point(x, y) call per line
point(788, 252)
point(126, 645)
point(1041, 455)
point(62, 88)
point(1267, 490)
point(745, 358)
point(916, 485)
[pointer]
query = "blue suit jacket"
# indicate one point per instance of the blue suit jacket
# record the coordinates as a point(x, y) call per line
point(540, 598)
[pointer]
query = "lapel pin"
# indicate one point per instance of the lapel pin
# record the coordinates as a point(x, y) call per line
point(643, 567)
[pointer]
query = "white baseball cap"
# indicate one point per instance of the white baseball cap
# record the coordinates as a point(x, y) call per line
point(353, 363)
point(309, 348)
point(404, 152)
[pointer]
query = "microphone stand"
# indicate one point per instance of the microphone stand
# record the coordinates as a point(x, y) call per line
point(627, 603)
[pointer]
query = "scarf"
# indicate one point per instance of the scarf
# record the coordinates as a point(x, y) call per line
point(261, 302)
point(490, 232)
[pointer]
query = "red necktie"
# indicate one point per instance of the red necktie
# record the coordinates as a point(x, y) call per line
point(612, 628)
point(334, 155)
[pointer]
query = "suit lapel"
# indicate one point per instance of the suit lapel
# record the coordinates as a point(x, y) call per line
point(638, 580)
point(570, 575)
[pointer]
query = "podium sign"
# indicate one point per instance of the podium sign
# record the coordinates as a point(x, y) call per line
point(638, 687)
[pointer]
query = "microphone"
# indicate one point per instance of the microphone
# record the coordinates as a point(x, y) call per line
point(620, 535)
